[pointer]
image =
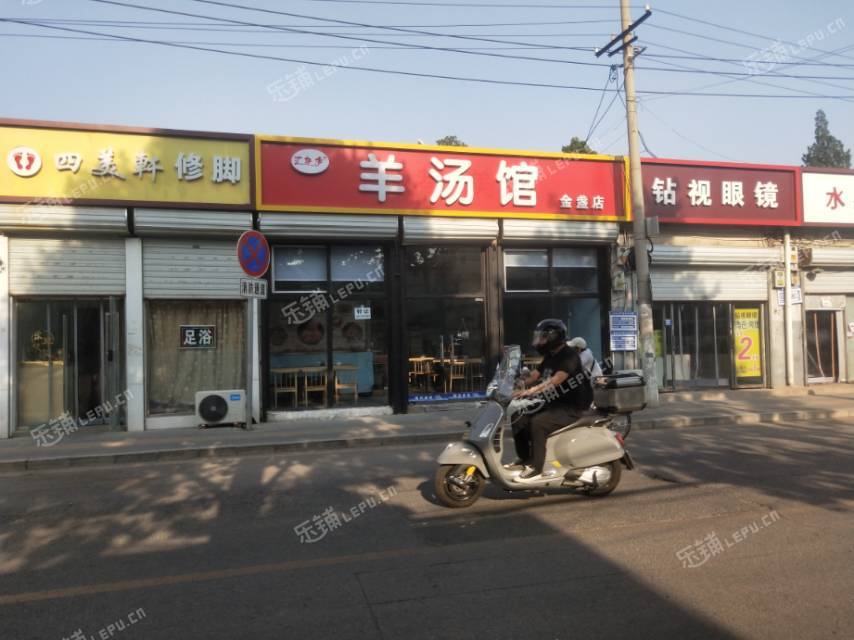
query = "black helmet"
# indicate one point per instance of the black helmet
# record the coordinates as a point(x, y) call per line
point(549, 334)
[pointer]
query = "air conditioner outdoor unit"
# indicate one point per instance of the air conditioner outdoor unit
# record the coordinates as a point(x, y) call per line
point(221, 407)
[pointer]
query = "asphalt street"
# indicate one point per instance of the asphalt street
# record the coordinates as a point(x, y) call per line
point(721, 532)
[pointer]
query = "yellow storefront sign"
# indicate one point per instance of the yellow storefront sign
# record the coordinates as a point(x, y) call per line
point(45, 165)
point(748, 345)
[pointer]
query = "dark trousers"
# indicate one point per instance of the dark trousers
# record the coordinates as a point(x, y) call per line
point(531, 431)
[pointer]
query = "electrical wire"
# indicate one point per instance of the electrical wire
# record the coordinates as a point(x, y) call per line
point(741, 31)
point(399, 72)
point(352, 37)
point(599, 106)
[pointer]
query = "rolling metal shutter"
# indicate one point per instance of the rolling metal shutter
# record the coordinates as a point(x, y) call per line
point(425, 230)
point(187, 222)
point(46, 217)
point(680, 285)
point(836, 281)
point(832, 256)
point(559, 231)
point(332, 226)
point(53, 266)
point(190, 269)
point(713, 256)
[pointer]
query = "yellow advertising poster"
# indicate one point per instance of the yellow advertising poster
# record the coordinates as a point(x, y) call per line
point(748, 346)
point(59, 166)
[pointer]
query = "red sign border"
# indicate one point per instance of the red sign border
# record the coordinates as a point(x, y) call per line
point(742, 222)
point(252, 232)
point(260, 140)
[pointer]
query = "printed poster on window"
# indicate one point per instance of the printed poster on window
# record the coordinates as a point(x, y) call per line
point(748, 345)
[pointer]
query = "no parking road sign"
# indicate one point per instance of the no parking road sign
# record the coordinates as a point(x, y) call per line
point(253, 253)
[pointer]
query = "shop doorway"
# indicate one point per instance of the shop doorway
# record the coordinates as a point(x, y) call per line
point(822, 347)
point(68, 354)
point(708, 345)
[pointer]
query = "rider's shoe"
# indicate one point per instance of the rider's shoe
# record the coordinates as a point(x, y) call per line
point(530, 475)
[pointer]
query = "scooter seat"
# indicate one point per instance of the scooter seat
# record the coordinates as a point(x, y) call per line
point(588, 419)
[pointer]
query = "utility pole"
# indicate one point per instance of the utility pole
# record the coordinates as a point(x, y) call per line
point(644, 297)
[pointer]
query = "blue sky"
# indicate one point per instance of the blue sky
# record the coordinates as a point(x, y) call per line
point(111, 82)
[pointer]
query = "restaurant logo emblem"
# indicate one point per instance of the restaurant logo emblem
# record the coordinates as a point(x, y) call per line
point(310, 161)
point(24, 161)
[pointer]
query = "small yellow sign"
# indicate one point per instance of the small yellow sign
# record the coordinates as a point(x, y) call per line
point(748, 345)
point(57, 166)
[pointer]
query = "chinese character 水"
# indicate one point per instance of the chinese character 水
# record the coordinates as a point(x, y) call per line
point(834, 199)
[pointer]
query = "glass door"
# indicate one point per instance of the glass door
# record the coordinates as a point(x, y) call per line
point(692, 345)
point(68, 362)
point(822, 348)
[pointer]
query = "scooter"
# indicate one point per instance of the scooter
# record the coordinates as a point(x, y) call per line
point(586, 456)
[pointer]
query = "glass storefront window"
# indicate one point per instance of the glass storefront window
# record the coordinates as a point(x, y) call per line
point(445, 323)
point(329, 347)
point(175, 374)
point(552, 283)
point(526, 270)
point(575, 271)
point(299, 269)
point(443, 270)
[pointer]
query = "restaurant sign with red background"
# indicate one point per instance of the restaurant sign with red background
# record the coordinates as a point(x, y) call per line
point(310, 175)
point(721, 193)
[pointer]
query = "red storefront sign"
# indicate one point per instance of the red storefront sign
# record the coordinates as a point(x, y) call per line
point(298, 174)
point(721, 193)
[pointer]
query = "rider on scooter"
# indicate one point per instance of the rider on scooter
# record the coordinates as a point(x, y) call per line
point(565, 391)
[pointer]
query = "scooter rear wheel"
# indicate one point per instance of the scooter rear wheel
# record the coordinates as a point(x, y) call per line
point(452, 488)
point(604, 489)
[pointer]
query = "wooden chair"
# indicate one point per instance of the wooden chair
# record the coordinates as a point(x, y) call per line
point(352, 385)
point(456, 370)
point(315, 380)
point(285, 382)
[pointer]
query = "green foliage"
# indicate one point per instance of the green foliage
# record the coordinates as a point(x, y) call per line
point(451, 141)
point(826, 151)
point(576, 145)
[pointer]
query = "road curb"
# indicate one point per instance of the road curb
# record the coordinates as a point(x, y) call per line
point(237, 450)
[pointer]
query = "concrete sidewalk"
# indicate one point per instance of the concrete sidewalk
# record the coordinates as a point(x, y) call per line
point(683, 409)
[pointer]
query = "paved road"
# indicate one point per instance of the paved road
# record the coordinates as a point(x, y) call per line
point(208, 549)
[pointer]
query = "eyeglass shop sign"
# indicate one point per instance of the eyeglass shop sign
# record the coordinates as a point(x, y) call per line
point(198, 336)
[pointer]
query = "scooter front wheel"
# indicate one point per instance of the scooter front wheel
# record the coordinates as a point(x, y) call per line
point(458, 485)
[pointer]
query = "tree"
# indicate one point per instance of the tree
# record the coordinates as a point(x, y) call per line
point(576, 145)
point(451, 141)
point(827, 150)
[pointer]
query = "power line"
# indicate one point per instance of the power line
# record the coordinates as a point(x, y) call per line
point(742, 31)
point(169, 24)
point(608, 81)
point(256, 44)
point(350, 37)
point(401, 72)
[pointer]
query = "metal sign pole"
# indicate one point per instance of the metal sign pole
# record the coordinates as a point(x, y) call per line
point(250, 339)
